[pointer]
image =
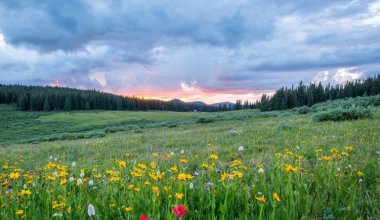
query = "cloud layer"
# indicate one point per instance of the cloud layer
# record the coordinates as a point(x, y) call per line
point(207, 50)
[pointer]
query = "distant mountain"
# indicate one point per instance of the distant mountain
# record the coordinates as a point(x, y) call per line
point(200, 103)
point(197, 103)
point(228, 104)
point(177, 101)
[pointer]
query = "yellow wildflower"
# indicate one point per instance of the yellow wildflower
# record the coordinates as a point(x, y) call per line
point(153, 165)
point(14, 175)
point(261, 199)
point(122, 164)
point(128, 209)
point(174, 169)
point(179, 195)
point(63, 182)
point(184, 176)
point(156, 190)
point(276, 197)
point(326, 158)
point(213, 156)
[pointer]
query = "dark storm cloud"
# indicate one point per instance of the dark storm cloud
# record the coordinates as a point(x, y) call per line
point(222, 45)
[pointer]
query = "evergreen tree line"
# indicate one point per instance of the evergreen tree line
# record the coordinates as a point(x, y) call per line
point(246, 105)
point(302, 95)
point(39, 98)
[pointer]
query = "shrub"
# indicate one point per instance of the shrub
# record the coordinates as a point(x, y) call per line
point(341, 114)
point(303, 110)
point(205, 120)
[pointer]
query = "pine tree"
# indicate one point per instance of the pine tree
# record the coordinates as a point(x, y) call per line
point(68, 104)
point(46, 105)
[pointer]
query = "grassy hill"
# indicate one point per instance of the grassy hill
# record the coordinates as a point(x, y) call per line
point(318, 170)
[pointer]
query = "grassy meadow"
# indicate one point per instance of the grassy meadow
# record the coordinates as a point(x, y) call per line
point(231, 165)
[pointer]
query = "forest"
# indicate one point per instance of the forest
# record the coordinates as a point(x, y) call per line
point(40, 98)
point(303, 95)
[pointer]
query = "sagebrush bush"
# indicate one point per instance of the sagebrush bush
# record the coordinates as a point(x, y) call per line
point(346, 103)
point(341, 114)
point(303, 110)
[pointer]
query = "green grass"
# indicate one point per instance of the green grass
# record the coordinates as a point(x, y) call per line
point(319, 189)
point(24, 127)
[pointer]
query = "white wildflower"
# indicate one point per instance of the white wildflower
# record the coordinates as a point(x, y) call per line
point(91, 210)
point(79, 181)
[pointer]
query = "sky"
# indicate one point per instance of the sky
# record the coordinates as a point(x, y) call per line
point(211, 51)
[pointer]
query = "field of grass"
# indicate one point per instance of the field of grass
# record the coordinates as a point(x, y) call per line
point(238, 165)
point(23, 127)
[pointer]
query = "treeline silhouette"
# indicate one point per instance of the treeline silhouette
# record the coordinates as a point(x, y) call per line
point(40, 98)
point(302, 95)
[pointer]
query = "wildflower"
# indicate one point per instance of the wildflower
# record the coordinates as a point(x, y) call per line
point(261, 170)
point(79, 182)
point(180, 211)
point(179, 195)
point(204, 165)
point(71, 179)
point(209, 184)
point(128, 209)
point(276, 197)
point(183, 160)
point(226, 176)
point(213, 156)
point(290, 168)
point(348, 148)
point(122, 164)
point(261, 199)
point(143, 217)
point(156, 190)
point(238, 174)
point(63, 182)
point(174, 169)
point(24, 192)
point(19, 212)
point(359, 174)
point(153, 165)
point(91, 210)
point(360, 180)
point(14, 175)
point(172, 153)
point(182, 151)
point(90, 183)
point(191, 185)
point(73, 164)
point(81, 175)
point(196, 173)
point(241, 148)
point(184, 176)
